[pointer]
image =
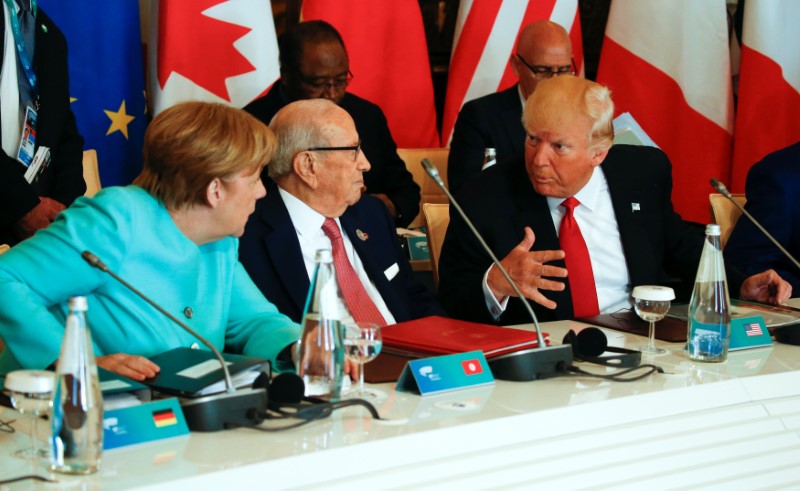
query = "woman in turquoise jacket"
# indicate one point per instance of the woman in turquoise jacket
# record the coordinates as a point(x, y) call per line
point(173, 234)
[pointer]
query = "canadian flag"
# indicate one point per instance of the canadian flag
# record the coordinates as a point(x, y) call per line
point(668, 64)
point(210, 50)
point(767, 117)
point(388, 55)
point(485, 38)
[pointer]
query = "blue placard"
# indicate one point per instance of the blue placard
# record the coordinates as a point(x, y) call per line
point(749, 332)
point(147, 422)
point(445, 373)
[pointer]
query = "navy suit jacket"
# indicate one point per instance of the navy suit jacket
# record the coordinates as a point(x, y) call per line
point(773, 198)
point(62, 180)
point(270, 252)
point(491, 121)
point(660, 248)
point(388, 174)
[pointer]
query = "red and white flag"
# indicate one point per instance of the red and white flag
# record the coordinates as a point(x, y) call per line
point(667, 63)
point(769, 84)
point(388, 55)
point(210, 50)
point(485, 38)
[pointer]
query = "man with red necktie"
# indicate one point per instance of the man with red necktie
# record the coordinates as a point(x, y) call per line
point(314, 201)
point(605, 228)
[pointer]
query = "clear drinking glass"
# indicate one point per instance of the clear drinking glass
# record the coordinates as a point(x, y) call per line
point(362, 344)
point(31, 393)
point(652, 304)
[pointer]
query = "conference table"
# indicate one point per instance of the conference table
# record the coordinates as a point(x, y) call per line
point(731, 425)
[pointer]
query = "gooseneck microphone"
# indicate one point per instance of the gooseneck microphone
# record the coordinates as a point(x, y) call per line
point(528, 364)
point(209, 413)
point(721, 189)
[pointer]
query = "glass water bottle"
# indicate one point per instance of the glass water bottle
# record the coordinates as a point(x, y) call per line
point(77, 422)
point(320, 351)
point(710, 307)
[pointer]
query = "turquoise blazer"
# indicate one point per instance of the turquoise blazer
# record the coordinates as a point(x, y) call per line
point(135, 236)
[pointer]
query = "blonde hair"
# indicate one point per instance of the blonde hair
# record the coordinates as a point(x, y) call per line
point(558, 101)
point(190, 144)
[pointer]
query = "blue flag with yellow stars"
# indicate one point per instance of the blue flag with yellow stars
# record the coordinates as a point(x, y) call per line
point(106, 80)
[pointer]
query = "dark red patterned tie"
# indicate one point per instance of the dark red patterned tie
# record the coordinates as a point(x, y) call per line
point(579, 266)
point(355, 295)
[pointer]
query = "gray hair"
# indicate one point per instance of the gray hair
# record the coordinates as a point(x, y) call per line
point(298, 126)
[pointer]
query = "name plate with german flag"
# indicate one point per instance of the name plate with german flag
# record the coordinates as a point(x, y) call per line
point(142, 423)
point(438, 374)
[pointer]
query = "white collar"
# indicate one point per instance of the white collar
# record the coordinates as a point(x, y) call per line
point(307, 221)
point(589, 195)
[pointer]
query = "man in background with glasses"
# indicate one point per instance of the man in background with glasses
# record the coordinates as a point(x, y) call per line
point(314, 201)
point(314, 64)
point(493, 121)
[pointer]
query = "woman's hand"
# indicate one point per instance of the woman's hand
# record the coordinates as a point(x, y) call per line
point(131, 366)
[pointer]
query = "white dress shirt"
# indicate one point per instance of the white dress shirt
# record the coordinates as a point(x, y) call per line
point(598, 224)
point(308, 225)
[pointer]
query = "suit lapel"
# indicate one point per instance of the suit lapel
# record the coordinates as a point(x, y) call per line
point(283, 247)
point(358, 231)
point(534, 212)
point(628, 200)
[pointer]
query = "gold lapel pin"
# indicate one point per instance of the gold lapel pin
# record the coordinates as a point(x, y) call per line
point(362, 235)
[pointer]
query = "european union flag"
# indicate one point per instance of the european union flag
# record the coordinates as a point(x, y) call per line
point(106, 80)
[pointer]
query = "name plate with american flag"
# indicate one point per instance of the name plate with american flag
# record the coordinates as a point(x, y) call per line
point(749, 332)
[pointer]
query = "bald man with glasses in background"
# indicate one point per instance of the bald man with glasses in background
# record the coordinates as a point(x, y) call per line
point(543, 50)
point(314, 64)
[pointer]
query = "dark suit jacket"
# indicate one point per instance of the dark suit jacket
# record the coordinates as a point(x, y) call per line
point(491, 121)
point(388, 174)
point(773, 198)
point(62, 180)
point(270, 252)
point(659, 246)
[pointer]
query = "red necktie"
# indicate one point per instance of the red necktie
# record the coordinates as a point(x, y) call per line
point(579, 267)
point(358, 302)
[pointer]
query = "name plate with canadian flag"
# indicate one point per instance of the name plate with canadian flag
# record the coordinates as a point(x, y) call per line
point(438, 374)
point(748, 332)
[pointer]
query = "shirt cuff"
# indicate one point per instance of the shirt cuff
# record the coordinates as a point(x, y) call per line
point(494, 307)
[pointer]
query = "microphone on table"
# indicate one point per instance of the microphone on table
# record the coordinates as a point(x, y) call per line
point(721, 189)
point(213, 412)
point(787, 334)
point(530, 364)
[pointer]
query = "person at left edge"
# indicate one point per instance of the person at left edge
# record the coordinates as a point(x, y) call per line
point(26, 208)
point(172, 234)
point(314, 64)
point(318, 173)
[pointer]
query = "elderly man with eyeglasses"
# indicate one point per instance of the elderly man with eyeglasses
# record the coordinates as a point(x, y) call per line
point(493, 121)
point(314, 201)
point(314, 64)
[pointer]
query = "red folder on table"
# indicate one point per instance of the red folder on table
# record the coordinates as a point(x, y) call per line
point(434, 336)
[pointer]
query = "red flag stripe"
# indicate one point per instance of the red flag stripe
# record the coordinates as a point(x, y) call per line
point(389, 58)
point(767, 118)
point(466, 54)
point(698, 148)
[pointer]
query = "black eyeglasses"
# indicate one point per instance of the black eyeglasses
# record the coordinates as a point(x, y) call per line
point(355, 149)
point(545, 71)
point(319, 86)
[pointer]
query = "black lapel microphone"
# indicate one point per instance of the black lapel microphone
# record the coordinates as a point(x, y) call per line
point(530, 364)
